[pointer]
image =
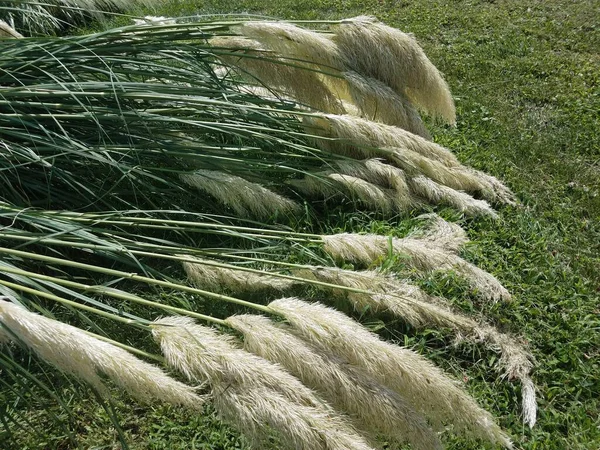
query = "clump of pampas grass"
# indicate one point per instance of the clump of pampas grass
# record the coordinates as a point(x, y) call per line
point(258, 397)
point(72, 351)
point(375, 408)
point(396, 59)
point(428, 390)
point(386, 294)
point(244, 197)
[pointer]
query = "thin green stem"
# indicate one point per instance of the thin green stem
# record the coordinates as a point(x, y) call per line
point(135, 277)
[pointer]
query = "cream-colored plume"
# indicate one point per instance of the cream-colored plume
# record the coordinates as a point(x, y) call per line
point(439, 233)
point(387, 294)
point(331, 185)
point(419, 255)
point(207, 276)
point(396, 59)
point(428, 390)
point(385, 175)
point(251, 392)
point(367, 138)
point(437, 194)
point(376, 101)
point(71, 350)
point(375, 408)
point(295, 42)
point(244, 197)
point(291, 78)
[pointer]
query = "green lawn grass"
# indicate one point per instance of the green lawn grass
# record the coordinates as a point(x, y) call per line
point(525, 76)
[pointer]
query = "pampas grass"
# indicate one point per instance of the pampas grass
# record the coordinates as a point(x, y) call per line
point(417, 254)
point(431, 392)
point(288, 77)
point(374, 407)
point(385, 294)
point(378, 102)
point(438, 194)
point(244, 197)
point(251, 392)
point(394, 58)
point(210, 277)
point(440, 233)
point(72, 351)
point(295, 42)
point(365, 137)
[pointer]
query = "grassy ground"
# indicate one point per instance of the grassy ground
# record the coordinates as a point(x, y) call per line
point(525, 76)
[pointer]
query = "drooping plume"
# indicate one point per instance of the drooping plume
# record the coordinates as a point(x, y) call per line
point(396, 59)
point(255, 395)
point(71, 350)
point(374, 407)
point(292, 78)
point(437, 194)
point(244, 197)
point(211, 277)
point(428, 390)
point(439, 233)
point(295, 42)
point(376, 101)
point(367, 138)
point(421, 256)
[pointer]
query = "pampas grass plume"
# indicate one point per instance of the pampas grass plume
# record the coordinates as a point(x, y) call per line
point(207, 276)
point(396, 59)
point(251, 392)
point(438, 397)
point(71, 350)
point(244, 197)
point(374, 407)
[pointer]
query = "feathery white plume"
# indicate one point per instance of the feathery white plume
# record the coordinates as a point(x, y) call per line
point(207, 276)
point(374, 407)
point(289, 77)
point(440, 233)
point(430, 391)
point(244, 197)
point(333, 185)
point(367, 138)
point(396, 59)
point(73, 351)
point(293, 41)
point(252, 392)
point(388, 294)
point(419, 255)
point(529, 403)
point(385, 175)
point(379, 103)
point(436, 194)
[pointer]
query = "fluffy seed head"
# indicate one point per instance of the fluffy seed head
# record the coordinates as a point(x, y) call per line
point(244, 197)
point(251, 392)
point(368, 139)
point(296, 42)
point(374, 407)
point(291, 78)
point(412, 376)
point(396, 59)
point(385, 175)
point(436, 194)
point(423, 257)
point(74, 352)
point(378, 102)
point(440, 234)
point(207, 276)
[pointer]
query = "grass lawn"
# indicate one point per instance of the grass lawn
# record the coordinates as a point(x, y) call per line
point(525, 77)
